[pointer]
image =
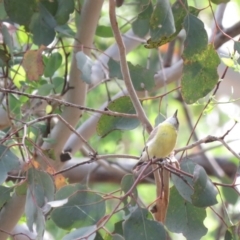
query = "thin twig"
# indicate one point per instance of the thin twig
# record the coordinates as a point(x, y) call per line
point(124, 68)
point(61, 102)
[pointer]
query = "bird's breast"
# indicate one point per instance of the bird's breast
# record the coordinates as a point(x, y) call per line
point(165, 141)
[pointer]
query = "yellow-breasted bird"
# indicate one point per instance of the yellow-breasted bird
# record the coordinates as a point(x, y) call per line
point(161, 141)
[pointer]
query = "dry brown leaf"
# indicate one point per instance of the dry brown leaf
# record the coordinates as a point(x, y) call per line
point(33, 63)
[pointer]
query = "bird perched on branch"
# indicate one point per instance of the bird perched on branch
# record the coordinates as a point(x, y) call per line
point(161, 141)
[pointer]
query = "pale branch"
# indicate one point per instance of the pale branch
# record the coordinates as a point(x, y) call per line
point(50, 101)
point(90, 14)
point(124, 68)
point(11, 213)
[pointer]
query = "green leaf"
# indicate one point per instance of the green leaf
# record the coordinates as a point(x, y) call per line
point(4, 58)
point(106, 123)
point(45, 89)
point(204, 191)
point(219, 1)
point(183, 217)
point(50, 6)
point(14, 104)
point(82, 209)
point(137, 226)
point(232, 233)
point(117, 237)
point(104, 31)
point(40, 191)
point(126, 184)
point(118, 227)
point(237, 47)
point(84, 64)
point(20, 11)
point(179, 11)
point(199, 191)
point(141, 25)
point(228, 193)
point(199, 75)
point(4, 195)
point(81, 232)
point(3, 14)
point(47, 16)
point(8, 162)
point(7, 39)
point(141, 77)
point(43, 34)
point(58, 83)
point(65, 8)
point(53, 63)
point(162, 21)
point(65, 31)
point(184, 184)
point(196, 40)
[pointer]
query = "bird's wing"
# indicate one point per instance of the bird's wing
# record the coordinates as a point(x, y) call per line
point(142, 157)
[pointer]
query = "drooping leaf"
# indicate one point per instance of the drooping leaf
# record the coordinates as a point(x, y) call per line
point(43, 34)
point(20, 11)
point(179, 11)
point(126, 184)
point(141, 77)
point(141, 25)
point(4, 195)
point(162, 21)
point(84, 208)
point(106, 123)
point(198, 190)
point(138, 226)
point(53, 63)
point(15, 105)
point(7, 39)
point(183, 217)
point(8, 162)
point(40, 191)
point(196, 37)
point(82, 232)
point(84, 64)
point(204, 191)
point(184, 184)
point(65, 8)
point(199, 75)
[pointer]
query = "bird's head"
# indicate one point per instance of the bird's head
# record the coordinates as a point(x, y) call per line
point(173, 120)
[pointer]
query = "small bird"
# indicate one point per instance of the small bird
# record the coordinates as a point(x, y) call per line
point(161, 141)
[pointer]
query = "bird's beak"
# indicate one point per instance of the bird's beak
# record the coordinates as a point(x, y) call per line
point(175, 114)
